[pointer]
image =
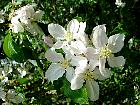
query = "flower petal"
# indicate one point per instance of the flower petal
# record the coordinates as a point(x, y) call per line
point(102, 66)
point(57, 31)
point(79, 61)
point(116, 61)
point(93, 63)
point(54, 72)
point(99, 36)
point(70, 73)
point(116, 42)
point(33, 28)
point(93, 90)
point(2, 94)
point(16, 25)
point(53, 56)
point(58, 45)
point(99, 76)
point(38, 15)
point(73, 26)
point(82, 27)
point(91, 53)
point(77, 82)
point(78, 47)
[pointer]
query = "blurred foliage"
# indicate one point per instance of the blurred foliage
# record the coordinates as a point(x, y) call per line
point(121, 88)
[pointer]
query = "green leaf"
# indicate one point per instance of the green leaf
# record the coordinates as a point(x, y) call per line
point(12, 49)
point(23, 80)
point(79, 96)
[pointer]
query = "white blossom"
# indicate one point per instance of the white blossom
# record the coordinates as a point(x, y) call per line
point(2, 94)
point(89, 75)
point(16, 25)
point(2, 16)
point(71, 40)
point(13, 97)
point(26, 18)
point(61, 64)
point(105, 47)
point(119, 3)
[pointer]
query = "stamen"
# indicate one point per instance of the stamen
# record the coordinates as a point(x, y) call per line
point(69, 36)
point(105, 52)
point(89, 75)
point(65, 63)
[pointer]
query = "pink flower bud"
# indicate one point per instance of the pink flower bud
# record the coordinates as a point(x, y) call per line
point(48, 40)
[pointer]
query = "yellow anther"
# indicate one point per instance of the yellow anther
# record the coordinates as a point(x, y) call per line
point(65, 63)
point(89, 75)
point(69, 36)
point(105, 52)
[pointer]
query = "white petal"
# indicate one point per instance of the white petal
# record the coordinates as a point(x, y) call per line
point(79, 61)
point(93, 90)
point(91, 53)
point(116, 42)
point(57, 31)
point(116, 61)
point(77, 82)
point(99, 76)
point(2, 94)
point(70, 73)
point(73, 26)
point(54, 72)
point(99, 36)
point(33, 28)
point(58, 45)
point(102, 66)
point(82, 27)
point(80, 70)
point(38, 15)
point(53, 56)
point(16, 25)
point(93, 63)
point(67, 49)
point(78, 47)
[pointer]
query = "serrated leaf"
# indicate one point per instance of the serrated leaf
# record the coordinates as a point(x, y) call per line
point(79, 96)
point(12, 49)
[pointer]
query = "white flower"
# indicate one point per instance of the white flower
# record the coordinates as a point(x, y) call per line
point(13, 97)
point(71, 40)
point(22, 72)
point(119, 3)
point(26, 17)
point(104, 48)
point(2, 94)
point(3, 76)
point(16, 25)
point(27, 13)
point(2, 16)
point(88, 75)
point(61, 64)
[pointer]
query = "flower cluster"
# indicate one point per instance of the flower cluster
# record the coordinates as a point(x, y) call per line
point(10, 97)
point(83, 59)
point(26, 18)
point(119, 3)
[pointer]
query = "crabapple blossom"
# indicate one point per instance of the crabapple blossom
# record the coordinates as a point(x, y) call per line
point(71, 40)
point(89, 75)
point(119, 3)
point(105, 47)
point(61, 64)
point(26, 17)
